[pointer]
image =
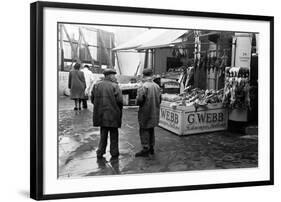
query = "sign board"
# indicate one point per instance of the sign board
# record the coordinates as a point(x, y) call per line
point(205, 121)
point(170, 119)
point(243, 50)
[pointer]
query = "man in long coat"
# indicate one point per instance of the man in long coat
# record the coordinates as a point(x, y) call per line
point(148, 99)
point(107, 99)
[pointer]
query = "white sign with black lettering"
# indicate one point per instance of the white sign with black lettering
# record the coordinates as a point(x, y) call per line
point(171, 119)
point(205, 121)
point(186, 120)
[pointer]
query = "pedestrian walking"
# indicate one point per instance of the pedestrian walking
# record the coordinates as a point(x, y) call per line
point(108, 103)
point(89, 80)
point(77, 85)
point(148, 99)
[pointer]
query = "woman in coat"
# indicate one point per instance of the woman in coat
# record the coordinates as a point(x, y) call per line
point(77, 86)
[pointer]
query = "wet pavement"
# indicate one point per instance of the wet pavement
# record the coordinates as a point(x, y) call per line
point(78, 141)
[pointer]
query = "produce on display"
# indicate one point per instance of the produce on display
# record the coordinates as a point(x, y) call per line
point(194, 97)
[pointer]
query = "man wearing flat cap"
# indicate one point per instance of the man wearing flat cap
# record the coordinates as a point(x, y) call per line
point(108, 103)
point(148, 99)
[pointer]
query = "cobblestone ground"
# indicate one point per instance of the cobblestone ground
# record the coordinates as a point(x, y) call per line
point(78, 141)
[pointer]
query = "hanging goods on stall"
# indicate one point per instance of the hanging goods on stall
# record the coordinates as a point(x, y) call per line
point(237, 88)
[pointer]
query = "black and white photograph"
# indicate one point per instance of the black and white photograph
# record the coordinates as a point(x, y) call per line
point(135, 100)
point(129, 100)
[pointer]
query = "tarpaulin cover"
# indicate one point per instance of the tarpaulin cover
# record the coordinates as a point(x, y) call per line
point(98, 42)
point(105, 44)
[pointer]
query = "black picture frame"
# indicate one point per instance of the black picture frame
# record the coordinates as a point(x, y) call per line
point(37, 101)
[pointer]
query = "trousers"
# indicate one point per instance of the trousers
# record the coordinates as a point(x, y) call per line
point(147, 137)
point(114, 148)
point(84, 103)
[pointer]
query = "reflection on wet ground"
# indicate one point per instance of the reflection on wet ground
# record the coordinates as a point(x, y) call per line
point(78, 141)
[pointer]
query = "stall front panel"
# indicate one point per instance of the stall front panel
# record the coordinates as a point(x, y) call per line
point(186, 120)
point(205, 119)
point(171, 119)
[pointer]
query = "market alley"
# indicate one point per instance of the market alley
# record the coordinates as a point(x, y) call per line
point(78, 141)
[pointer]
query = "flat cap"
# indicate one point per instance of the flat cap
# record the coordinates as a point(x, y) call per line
point(109, 71)
point(147, 72)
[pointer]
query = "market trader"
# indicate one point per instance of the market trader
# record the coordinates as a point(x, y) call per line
point(108, 103)
point(148, 99)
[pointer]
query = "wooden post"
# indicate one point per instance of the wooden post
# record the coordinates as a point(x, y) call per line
point(79, 45)
point(86, 45)
point(110, 52)
point(71, 45)
point(233, 51)
point(146, 59)
point(118, 63)
point(136, 73)
point(61, 48)
point(217, 70)
point(197, 56)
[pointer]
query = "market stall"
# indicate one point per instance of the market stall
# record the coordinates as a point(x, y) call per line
point(206, 78)
point(193, 112)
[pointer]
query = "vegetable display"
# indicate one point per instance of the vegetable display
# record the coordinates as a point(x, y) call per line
point(235, 94)
point(194, 97)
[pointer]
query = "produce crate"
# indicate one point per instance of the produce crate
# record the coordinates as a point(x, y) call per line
point(186, 120)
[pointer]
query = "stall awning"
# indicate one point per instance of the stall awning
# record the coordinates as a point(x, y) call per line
point(166, 39)
point(139, 40)
point(154, 38)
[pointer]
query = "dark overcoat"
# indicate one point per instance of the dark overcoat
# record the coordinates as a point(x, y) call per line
point(148, 99)
point(76, 84)
point(108, 102)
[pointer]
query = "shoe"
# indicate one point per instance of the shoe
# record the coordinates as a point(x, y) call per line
point(151, 150)
point(75, 108)
point(85, 107)
point(79, 108)
point(142, 153)
point(101, 162)
point(113, 158)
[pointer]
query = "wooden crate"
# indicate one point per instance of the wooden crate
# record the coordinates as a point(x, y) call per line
point(188, 120)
